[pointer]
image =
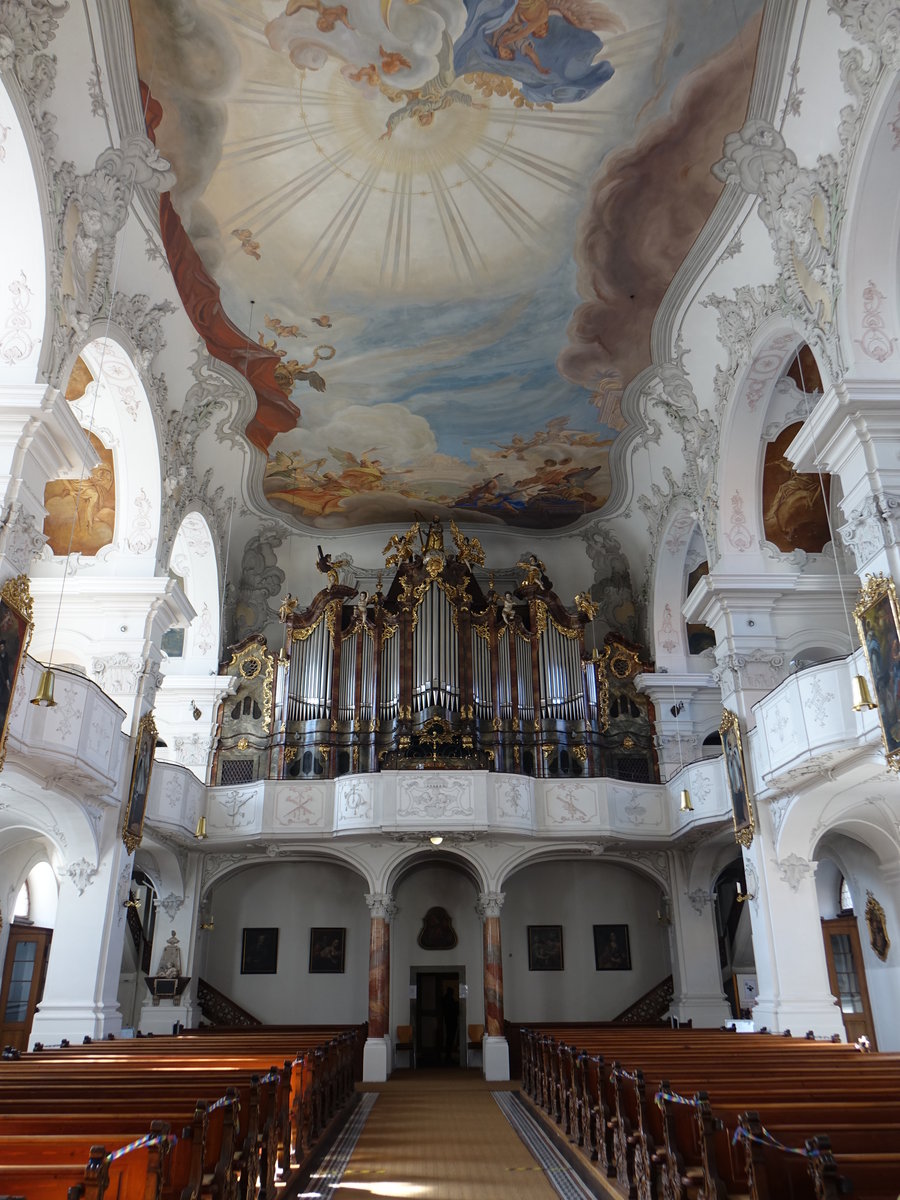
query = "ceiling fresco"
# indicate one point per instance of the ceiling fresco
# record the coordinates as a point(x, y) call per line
point(434, 233)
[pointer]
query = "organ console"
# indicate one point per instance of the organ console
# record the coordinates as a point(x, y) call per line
point(439, 670)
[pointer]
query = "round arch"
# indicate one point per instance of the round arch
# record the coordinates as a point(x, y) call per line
point(193, 559)
point(668, 586)
point(23, 268)
point(413, 858)
point(868, 306)
point(759, 406)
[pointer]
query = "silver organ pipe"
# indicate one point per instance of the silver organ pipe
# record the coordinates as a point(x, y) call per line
point(559, 664)
point(481, 676)
point(309, 687)
point(435, 654)
point(347, 697)
point(504, 677)
point(526, 698)
point(367, 682)
point(390, 677)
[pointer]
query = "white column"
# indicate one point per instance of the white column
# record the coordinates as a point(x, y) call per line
point(788, 947)
point(852, 433)
point(693, 941)
point(86, 952)
point(189, 739)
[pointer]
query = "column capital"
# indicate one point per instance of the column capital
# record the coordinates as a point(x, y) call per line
point(489, 904)
point(381, 904)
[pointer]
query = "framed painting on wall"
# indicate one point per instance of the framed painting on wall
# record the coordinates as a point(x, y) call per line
point(612, 949)
point(545, 948)
point(878, 623)
point(15, 633)
point(259, 951)
point(141, 769)
point(736, 775)
point(326, 951)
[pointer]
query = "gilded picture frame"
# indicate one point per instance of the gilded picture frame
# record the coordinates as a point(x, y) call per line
point(139, 787)
point(877, 925)
point(878, 623)
point(16, 624)
point(736, 778)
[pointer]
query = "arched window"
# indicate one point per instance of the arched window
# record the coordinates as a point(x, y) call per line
point(22, 910)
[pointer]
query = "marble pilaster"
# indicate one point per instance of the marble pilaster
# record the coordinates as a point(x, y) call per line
point(377, 1052)
point(496, 1049)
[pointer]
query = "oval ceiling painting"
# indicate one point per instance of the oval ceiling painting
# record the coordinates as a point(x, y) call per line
point(445, 226)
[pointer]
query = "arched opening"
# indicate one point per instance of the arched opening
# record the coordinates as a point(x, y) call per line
point(28, 938)
point(735, 939)
point(23, 272)
point(137, 950)
point(289, 942)
point(437, 982)
point(859, 919)
point(583, 941)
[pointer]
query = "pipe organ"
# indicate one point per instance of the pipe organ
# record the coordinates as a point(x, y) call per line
point(437, 671)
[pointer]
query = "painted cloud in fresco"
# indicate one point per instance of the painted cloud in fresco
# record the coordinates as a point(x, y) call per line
point(357, 34)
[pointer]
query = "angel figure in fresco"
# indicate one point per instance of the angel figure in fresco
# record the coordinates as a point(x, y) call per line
point(328, 15)
point(548, 46)
point(433, 96)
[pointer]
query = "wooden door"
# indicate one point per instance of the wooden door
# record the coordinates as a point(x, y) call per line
point(847, 977)
point(23, 982)
point(437, 1042)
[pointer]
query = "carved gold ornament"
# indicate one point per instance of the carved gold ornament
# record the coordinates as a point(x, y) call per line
point(736, 777)
point(252, 661)
point(878, 934)
point(16, 594)
point(878, 624)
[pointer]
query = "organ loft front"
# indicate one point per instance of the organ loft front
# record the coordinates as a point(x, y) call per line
point(436, 669)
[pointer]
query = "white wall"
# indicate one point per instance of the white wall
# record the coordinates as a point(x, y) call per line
point(422, 889)
point(842, 855)
point(579, 895)
point(294, 897)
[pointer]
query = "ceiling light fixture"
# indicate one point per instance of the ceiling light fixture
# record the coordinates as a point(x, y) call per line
point(435, 839)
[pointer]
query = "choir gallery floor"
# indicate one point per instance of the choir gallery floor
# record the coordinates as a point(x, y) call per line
point(444, 1135)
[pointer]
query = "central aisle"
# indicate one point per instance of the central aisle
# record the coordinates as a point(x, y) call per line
point(440, 1135)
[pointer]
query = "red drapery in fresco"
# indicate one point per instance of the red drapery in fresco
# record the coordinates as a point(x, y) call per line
point(202, 301)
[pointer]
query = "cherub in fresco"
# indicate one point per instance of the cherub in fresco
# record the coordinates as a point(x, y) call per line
point(248, 245)
point(393, 61)
point(328, 17)
point(278, 326)
point(433, 96)
point(271, 345)
point(368, 74)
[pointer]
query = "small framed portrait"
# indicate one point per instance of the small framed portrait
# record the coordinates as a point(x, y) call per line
point(879, 632)
point(326, 951)
point(736, 776)
point(545, 948)
point(259, 951)
point(16, 608)
point(612, 949)
point(141, 770)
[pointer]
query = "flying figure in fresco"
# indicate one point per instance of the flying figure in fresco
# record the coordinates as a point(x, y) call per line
point(432, 96)
point(328, 16)
point(549, 46)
